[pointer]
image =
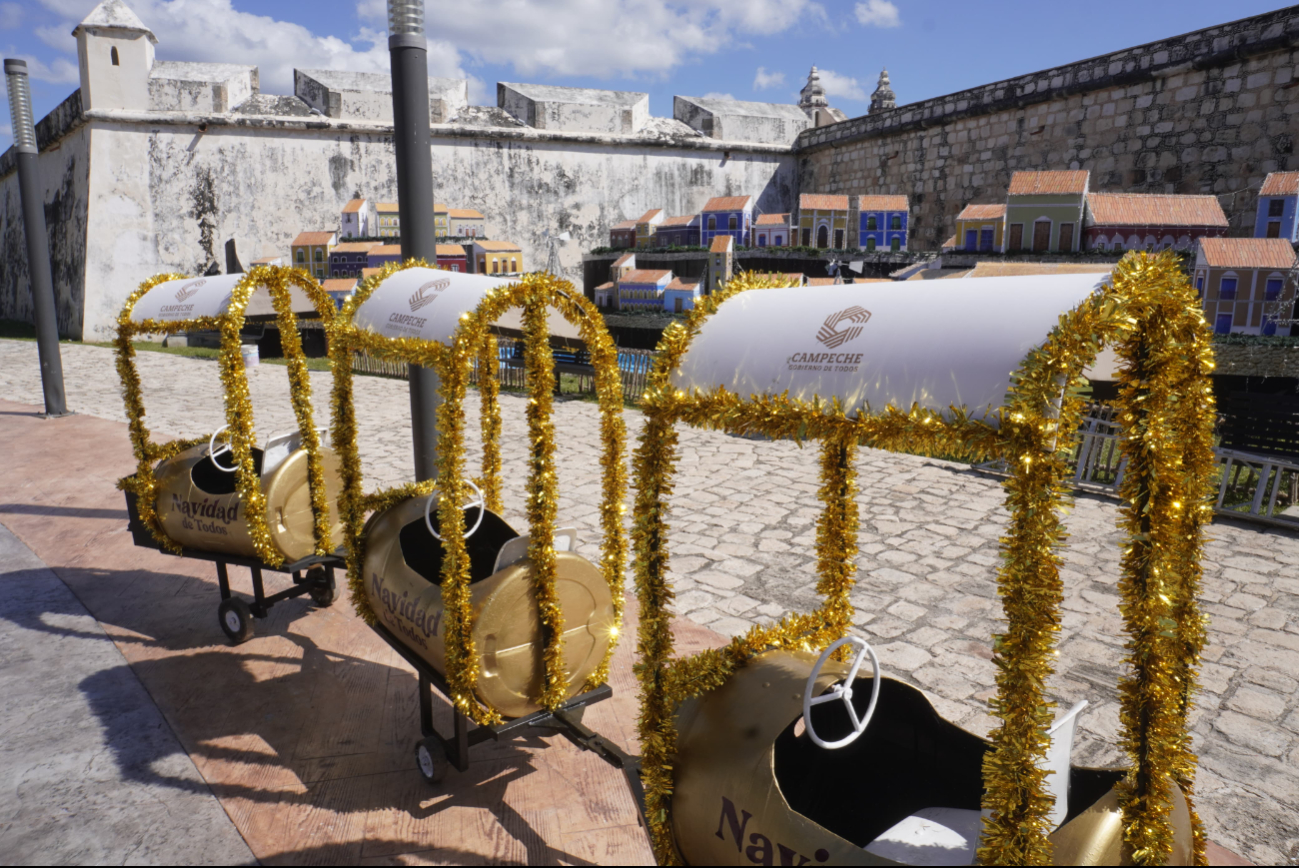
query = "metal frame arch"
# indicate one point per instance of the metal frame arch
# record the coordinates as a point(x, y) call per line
point(234, 380)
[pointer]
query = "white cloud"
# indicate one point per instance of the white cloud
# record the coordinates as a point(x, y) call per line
point(764, 79)
point(60, 71)
point(841, 86)
point(878, 13)
point(715, 95)
point(11, 15)
point(214, 31)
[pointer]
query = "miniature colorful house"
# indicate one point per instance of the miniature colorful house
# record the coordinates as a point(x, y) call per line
point(679, 231)
point(381, 254)
point(452, 257)
point(647, 228)
point(339, 288)
point(1137, 221)
point(1276, 207)
point(772, 230)
point(623, 266)
point(466, 223)
point(355, 221)
point(823, 221)
point(496, 257)
point(643, 289)
point(882, 222)
point(388, 218)
point(441, 220)
point(979, 228)
point(721, 262)
point(310, 252)
point(606, 294)
point(726, 215)
point(1239, 279)
point(623, 234)
point(1045, 210)
point(680, 295)
point(348, 258)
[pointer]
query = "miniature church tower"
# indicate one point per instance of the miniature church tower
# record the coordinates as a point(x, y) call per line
point(115, 53)
point(883, 98)
point(811, 99)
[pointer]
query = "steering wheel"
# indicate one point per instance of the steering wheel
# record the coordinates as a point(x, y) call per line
point(213, 452)
point(479, 502)
point(842, 692)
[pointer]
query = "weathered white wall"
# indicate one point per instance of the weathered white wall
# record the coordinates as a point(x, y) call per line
point(166, 197)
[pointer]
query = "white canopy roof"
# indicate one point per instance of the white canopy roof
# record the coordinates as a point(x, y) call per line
point(193, 297)
point(935, 343)
point(427, 303)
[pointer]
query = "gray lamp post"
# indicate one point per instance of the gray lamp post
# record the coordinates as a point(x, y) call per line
point(38, 245)
point(408, 53)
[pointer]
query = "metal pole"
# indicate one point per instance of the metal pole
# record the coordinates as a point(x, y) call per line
point(38, 245)
point(408, 53)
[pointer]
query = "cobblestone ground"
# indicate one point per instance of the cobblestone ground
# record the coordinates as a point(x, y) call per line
point(743, 519)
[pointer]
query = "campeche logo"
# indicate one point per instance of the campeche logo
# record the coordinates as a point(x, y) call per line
point(419, 299)
point(189, 289)
point(832, 337)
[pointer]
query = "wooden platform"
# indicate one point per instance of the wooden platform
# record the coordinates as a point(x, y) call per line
point(306, 733)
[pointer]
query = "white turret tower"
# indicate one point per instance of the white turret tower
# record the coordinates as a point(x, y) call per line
point(115, 53)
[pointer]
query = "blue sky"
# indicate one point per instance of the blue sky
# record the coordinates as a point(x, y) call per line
point(747, 49)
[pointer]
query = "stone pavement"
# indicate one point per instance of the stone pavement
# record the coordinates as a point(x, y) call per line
point(84, 748)
point(743, 530)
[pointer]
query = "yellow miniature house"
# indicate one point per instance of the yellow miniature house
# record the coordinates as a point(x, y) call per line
point(778, 748)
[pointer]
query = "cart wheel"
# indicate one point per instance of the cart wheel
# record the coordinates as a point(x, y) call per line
point(236, 620)
point(431, 758)
point(321, 593)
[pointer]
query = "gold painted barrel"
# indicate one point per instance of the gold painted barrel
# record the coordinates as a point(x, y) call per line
point(201, 508)
point(402, 570)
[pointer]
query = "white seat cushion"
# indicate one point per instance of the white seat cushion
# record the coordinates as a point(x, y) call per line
point(932, 836)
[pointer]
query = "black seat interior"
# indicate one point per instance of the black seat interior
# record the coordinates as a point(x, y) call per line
point(908, 759)
point(423, 553)
point(211, 479)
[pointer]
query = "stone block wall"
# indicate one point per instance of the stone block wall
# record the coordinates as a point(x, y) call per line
point(1208, 112)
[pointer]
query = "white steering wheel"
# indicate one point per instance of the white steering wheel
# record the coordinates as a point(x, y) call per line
point(213, 452)
point(842, 692)
point(479, 501)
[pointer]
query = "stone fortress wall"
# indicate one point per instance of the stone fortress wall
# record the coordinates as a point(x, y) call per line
point(1207, 112)
point(202, 157)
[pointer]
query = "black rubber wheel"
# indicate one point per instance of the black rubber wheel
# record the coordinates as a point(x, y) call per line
point(236, 620)
point(322, 594)
point(431, 759)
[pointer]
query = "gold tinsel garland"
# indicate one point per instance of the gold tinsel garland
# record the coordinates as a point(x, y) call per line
point(474, 343)
point(1150, 298)
point(238, 404)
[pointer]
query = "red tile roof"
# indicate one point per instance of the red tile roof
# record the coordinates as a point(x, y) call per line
point(684, 220)
point(981, 212)
point(464, 214)
point(1140, 209)
point(338, 284)
point(353, 206)
point(386, 206)
point(773, 220)
point(356, 247)
point(369, 272)
point(820, 281)
point(721, 244)
point(1280, 184)
point(609, 285)
point(649, 216)
point(1039, 183)
point(822, 202)
point(623, 259)
point(950, 242)
point(385, 250)
point(451, 250)
point(883, 203)
point(308, 239)
point(644, 275)
point(678, 283)
point(498, 246)
point(626, 224)
point(727, 203)
point(1247, 252)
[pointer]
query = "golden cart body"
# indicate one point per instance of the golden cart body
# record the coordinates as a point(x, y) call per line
point(225, 499)
point(779, 748)
point(511, 627)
